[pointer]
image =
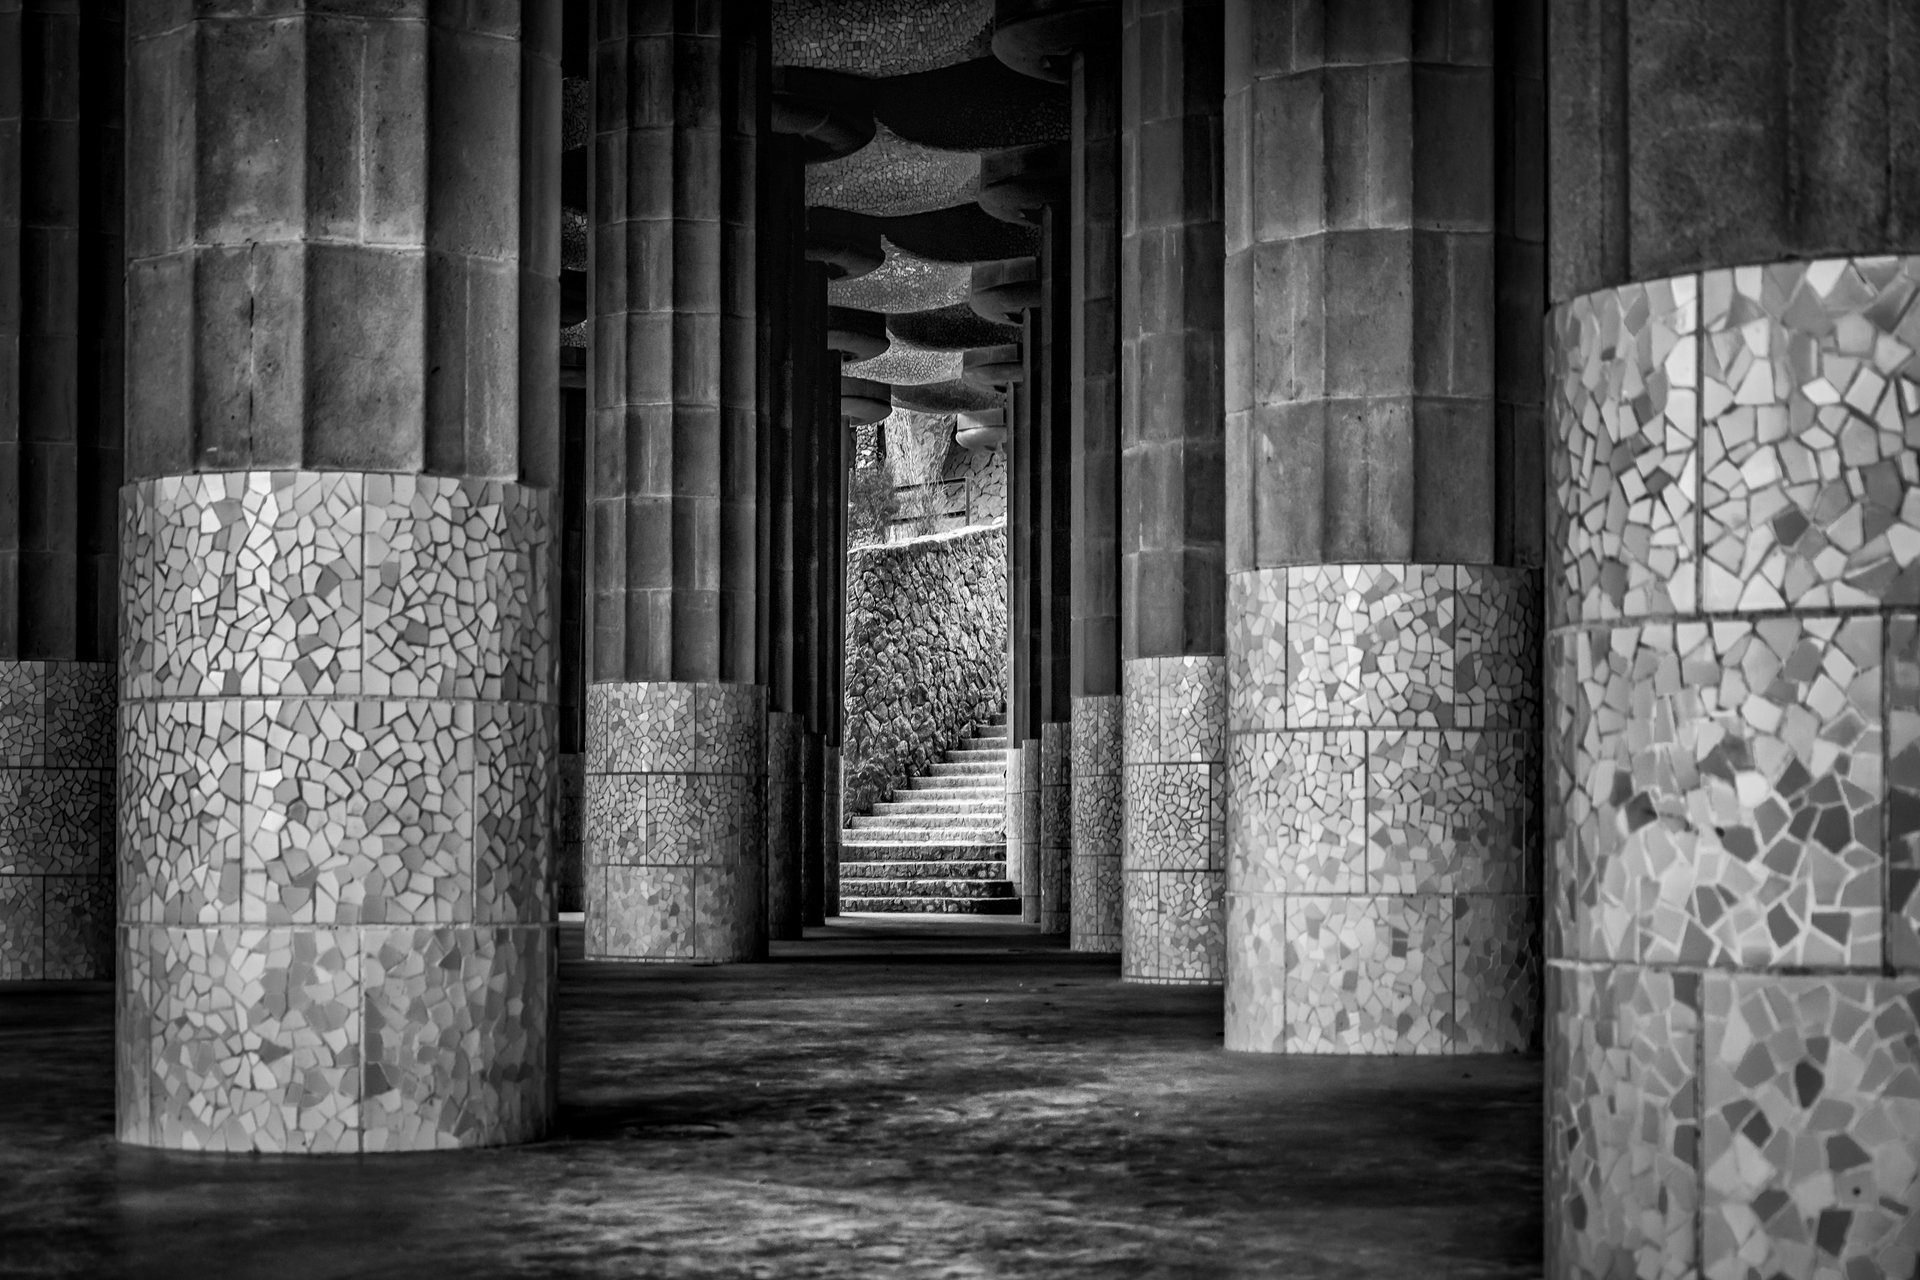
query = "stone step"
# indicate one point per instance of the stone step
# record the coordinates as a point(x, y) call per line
point(933, 906)
point(984, 869)
point(899, 833)
point(967, 769)
point(998, 717)
point(988, 806)
point(965, 787)
point(982, 755)
point(898, 888)
point(989, 733)
point(884, 851)
point(929, 821)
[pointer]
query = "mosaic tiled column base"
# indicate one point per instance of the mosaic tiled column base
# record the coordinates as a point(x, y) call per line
point(831, 817)
point(1174, 800)
point(1016, 819)
point(569, 834)
point(56, 820)
point(676, 836)
point(783, 819)
point(1056, 829)
point(335, 763)
point(1028, 762)
point(1733, 781)
point(1095, 824)
point(1382, 833)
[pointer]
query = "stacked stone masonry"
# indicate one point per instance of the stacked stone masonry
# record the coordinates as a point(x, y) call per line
point(56, 820)
point(1174, 792)
point(928, 621)
point(1382, 836)
point(676, 831)
point(1733, 759)
point(1094, 782)
point(1055, 844)
point(336, 752)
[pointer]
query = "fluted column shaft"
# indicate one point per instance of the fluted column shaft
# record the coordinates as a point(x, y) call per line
point(1733, 655)
point(1172, 343)
point(788, 383)
point(677, 747)
point(61, 323)
point(336, 726)
point(1094, 808)
point(1383, 633)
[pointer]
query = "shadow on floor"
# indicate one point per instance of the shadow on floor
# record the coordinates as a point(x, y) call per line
point(891, 1096)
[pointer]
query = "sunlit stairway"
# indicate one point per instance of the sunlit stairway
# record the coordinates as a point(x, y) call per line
point(940, 844)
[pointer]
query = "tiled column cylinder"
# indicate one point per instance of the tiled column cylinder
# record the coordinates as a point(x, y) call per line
point(1055, 828)
point(1382, 604)
point(1734, 679)
point(1383, 724)
point(1733, 655)
point(61, 331)
point(1095, 800)
point(336, 724)
point(676, 732)
point(1172, 522)
point(676, 836)
point(1173, 774)
point(783, 824)
point(1094, 781)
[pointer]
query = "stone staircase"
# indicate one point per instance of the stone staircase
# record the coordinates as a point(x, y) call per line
point(940, 844)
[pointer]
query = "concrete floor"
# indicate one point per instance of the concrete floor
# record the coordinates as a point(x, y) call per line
point(924, 1097)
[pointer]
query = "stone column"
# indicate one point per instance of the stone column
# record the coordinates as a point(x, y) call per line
point(1051, 384)
point(61, 318)
point(1733, 660)
point(789, 382)
point(1172, 637)
point(1382, 710)
point(336, 725)
point(676, 723)
point(1094, 732)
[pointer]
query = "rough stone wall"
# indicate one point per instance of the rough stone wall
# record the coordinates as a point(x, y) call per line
point(926, 653)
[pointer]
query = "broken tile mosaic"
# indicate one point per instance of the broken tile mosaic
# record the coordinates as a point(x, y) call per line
point(1369, 974)
point(1811, 1100)
point(1727, 794)
point(1623, 487)
point(1623, 1121)
point(1810, 486)
point(676, 821)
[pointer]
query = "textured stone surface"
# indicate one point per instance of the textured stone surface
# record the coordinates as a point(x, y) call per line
point(1730, 739)
point(56, 820)
point(1382, 832)
point(675, 816)
point(1097, 809)
point(335, 780)
point(927, 620)
point(1174, 806)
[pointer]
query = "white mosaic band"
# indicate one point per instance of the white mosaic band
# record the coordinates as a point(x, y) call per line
point(1382, 836)
point(336, 761)
point(56, 821)
point(676, 828)
point(1095, 824)
point(1733, 773)
point(1174, 796)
